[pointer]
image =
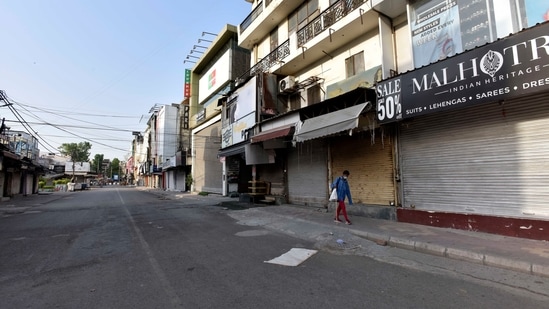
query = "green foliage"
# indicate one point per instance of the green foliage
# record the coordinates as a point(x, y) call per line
point(77, 152)
point(203, 193)
point(189, 180)
point(116, 169)
point(62, 181)
point(97, 162)
point(41, 184)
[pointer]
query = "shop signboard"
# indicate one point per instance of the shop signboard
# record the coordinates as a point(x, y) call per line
point(508, 68)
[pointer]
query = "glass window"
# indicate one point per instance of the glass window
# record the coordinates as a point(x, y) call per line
point(312, 6)
point(292, 22)
point(295, 101)
point(535, 11)
point(354, 64)
point(303, 15)
point(440, 28)
point(313, 95)
point(274, 39)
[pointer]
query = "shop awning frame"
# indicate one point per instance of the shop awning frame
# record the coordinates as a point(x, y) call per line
point(232, 150)
point(273, 133)
point(330, 123)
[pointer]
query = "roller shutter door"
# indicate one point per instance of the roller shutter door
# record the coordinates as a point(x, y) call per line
point(208, 170)
point(307, 173)
point(369, 159)
point(492, 159)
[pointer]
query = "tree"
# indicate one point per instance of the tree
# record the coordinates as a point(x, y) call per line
point(78, 152)
point(115, 168)
point(97, 163)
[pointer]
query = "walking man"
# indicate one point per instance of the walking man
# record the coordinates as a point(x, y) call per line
point(343, 191)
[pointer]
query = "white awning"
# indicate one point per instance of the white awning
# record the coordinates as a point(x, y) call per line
point(330, 123)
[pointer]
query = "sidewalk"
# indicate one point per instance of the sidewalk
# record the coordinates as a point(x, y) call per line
point(518, 254)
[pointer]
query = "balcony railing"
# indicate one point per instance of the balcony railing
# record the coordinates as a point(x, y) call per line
point(274, 57)
point(250, 18)
point(327, 18)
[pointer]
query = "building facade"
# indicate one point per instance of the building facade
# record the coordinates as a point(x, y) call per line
point(20, 168)
point(326, 56)
point(434, 110)
point(470, 123)
point(159, 142)
point(212, 78)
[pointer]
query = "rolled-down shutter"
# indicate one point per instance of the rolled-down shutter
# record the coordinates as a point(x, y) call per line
point(307, 173)
point(369, 159)
point(492, 159)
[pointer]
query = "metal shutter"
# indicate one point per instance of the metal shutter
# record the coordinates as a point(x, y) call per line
point(492, 159)
point(307, 173)
point(369, 159)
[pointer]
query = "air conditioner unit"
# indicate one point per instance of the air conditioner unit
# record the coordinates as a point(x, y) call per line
point(286, 84)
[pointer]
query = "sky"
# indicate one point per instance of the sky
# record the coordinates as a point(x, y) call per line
point(91, 70)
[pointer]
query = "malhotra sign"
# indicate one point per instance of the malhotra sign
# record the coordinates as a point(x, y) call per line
point(507, 68)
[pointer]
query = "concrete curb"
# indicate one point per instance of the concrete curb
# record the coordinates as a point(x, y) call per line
point(425, 247)
point(460, 254)
point(457, 254)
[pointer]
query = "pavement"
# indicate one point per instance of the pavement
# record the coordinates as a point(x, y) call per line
point(517, 254)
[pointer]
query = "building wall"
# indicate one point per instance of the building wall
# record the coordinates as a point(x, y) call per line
point(207, 169)
point(167, 132)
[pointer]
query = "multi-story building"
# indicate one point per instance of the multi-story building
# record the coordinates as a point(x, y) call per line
point(142, 167)
point(19, 164)
point(326, 57)
point(176, 167)
point(414, 153)
point(212, 78)
point(161, 135)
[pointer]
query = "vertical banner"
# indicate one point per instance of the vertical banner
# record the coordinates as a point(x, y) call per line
point(187, 87)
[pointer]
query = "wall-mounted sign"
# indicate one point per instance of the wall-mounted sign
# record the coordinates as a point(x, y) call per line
point(508, 68)
point(201, 115)
point(187, 85)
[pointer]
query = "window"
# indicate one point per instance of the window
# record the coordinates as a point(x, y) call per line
point(313, 95)
point(354, 64)
point(274, 39)
point(295, 101)
point(303, 15)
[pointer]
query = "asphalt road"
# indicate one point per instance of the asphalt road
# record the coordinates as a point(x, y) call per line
point(117, 247)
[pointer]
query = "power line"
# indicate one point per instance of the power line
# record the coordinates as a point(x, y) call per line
point(63, 112)
point(23, 122)
point(75, 126)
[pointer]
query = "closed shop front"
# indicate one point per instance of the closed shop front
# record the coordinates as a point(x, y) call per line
point(473, 138)
point(207, 169)
point(368, 156)
point(307, 173)
point(489, 160)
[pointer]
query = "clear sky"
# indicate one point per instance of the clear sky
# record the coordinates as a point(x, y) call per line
point(90, 70)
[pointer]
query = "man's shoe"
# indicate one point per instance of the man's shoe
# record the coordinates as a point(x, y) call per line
point(337, 221)
point(348, 223)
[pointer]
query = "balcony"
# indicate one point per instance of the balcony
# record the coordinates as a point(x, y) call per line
point(344, 21)
point(273, 58)
point(326, 19)
point(253, 15)
point(267, 15)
